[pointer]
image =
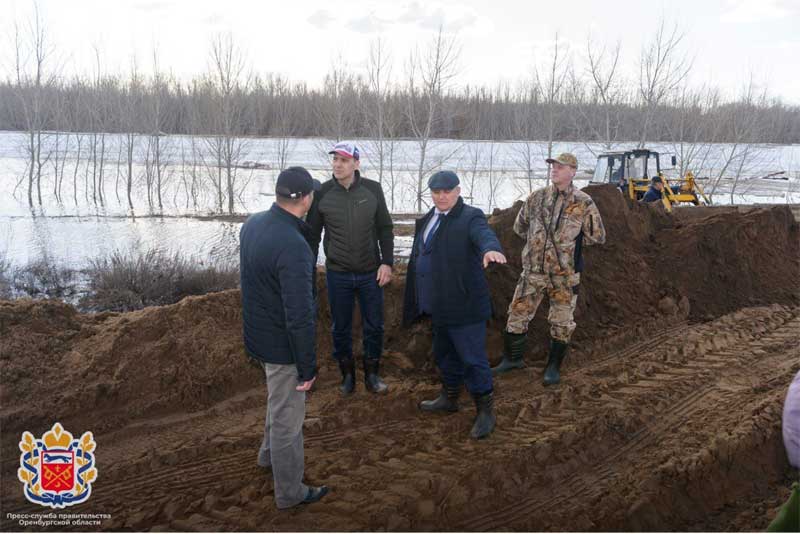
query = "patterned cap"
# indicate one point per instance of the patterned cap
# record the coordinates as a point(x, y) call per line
point(346, 149)
point(565, 159)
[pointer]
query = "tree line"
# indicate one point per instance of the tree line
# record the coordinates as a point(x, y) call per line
point(384, 100)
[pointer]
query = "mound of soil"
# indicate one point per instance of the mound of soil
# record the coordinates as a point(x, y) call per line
point(56, 363)
point(654, 269)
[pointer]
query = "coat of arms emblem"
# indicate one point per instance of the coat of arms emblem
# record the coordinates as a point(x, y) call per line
point(57, 470)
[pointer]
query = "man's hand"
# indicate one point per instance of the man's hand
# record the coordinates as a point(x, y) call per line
point(384, 275)
point(493, 257)
point(305, 386)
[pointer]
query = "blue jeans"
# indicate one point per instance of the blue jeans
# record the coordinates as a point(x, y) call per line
point(343, 288)
point(460, 353)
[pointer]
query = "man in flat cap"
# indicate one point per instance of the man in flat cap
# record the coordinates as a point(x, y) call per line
point(359, 253)
point(452, 245)
point(556, 222)
point(278, 314)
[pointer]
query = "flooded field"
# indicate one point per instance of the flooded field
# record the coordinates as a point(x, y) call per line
point(79, 228)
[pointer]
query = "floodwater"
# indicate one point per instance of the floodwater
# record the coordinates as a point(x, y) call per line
point(77, 230)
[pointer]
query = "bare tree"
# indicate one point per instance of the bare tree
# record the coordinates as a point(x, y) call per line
point(691, 143)
point(97, 110)
point(33, 56)
point(336, 112)
point(79, 138)
point(494, 177)
point(379, 69)
point(662, 68)
point(60, 151)
point(283, 128)
point(229, 81)
point(526, 128)
point(741, 121)
point(391, 148)
point(606, 91)
point(429, 74)
point(157, 142)
point(130, 120)
point(552, 82)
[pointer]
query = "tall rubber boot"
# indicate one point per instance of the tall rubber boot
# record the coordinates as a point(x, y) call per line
point(514, 346)
point(348, 369)
point(552, 373)
point(485, 419)
point(447, 401)
point(371, 377)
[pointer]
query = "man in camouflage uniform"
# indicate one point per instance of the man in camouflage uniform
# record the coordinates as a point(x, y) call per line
point(556, 221)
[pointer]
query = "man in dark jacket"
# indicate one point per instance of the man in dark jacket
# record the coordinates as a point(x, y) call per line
point(656, 190)
point(278, 313)
point(359, 252)
point(452, 245)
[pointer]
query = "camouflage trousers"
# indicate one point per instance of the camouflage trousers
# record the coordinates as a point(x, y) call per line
point(531, 288)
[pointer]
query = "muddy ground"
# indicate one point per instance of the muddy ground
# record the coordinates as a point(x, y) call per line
point(667, 418)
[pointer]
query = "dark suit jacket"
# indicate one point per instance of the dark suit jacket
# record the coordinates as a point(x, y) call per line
point(461, 292)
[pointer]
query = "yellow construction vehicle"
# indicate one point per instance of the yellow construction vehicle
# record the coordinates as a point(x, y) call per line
point(633, 170)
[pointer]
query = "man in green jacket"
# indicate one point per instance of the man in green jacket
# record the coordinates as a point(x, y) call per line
point(359, 252)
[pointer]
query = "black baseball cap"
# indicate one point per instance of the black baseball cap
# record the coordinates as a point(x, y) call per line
point(295, 182)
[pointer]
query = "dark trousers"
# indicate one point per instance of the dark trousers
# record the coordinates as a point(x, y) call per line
point(343, 288)
point(460, 353)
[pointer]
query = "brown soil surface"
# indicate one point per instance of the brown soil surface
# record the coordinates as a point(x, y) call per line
point(668, 416)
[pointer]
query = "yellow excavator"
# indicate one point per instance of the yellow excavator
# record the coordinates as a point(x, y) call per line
point(633, 170)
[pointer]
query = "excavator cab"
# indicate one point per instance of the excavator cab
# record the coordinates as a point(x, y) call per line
point(633, 170)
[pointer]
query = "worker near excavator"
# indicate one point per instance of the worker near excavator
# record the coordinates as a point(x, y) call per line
point(656, 191)
point(556, 222)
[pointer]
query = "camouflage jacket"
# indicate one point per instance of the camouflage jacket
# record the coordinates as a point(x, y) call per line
point(555, 226)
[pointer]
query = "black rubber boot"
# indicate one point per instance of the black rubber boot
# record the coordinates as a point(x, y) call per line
point(552, 373)
point(514, 346)
point(485, 419)
point(447, 401)
point(348, 368)
point(371, 377)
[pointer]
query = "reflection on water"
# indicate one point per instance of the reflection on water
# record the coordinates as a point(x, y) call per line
point(77, 231)
point(74, 241)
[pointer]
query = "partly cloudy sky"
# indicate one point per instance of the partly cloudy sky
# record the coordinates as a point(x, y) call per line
point(500, 40)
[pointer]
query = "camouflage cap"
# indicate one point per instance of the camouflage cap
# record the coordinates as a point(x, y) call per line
point(565, 159)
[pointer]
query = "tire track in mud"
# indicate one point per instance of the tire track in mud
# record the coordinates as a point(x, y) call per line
point(208, 469)
point(593, 364)
point(592, 484)
point(217, 471)
point(334, 436)
point(208, 473)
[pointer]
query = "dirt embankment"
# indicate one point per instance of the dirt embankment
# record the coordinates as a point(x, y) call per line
point(661, 389)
